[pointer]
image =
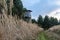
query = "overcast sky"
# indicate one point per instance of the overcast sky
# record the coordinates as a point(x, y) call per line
point(42, 7)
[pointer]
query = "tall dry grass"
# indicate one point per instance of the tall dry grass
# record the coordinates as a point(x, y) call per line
point(54, 33)
point(12, 28)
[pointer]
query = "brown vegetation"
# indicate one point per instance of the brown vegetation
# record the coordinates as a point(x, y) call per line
point(54, 33)
point(13, 29)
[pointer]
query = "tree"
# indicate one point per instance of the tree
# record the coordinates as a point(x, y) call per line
point(59, 22)
point(46, 23)
point(34, 21)
point(40, 20)
point(53, 21)
point(18, 8)
point(24, 10)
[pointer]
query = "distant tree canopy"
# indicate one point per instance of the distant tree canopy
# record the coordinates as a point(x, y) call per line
point(24, 10)
point(53, 21)
point(34, 21)
point(59, 22)
point(18, 8)
point(40, 20)
point(47, 22)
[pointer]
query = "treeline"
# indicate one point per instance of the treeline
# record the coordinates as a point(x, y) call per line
point(46, 22)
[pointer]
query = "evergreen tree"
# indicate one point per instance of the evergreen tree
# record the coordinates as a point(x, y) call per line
point(59, 22)
point(34, 21)
point(24, 10)
point(40, 20)
point(53, 21)
point(46, 23)
point(18, 7)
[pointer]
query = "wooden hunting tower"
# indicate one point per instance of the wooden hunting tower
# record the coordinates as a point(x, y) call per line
point(27, 15)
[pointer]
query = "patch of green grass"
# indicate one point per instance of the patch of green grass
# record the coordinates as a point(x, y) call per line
point(42, 36)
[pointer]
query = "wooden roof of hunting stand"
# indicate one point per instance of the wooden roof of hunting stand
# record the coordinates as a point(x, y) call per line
point(28, 11)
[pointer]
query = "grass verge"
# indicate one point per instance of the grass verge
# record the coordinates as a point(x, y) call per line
point(42, 36)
